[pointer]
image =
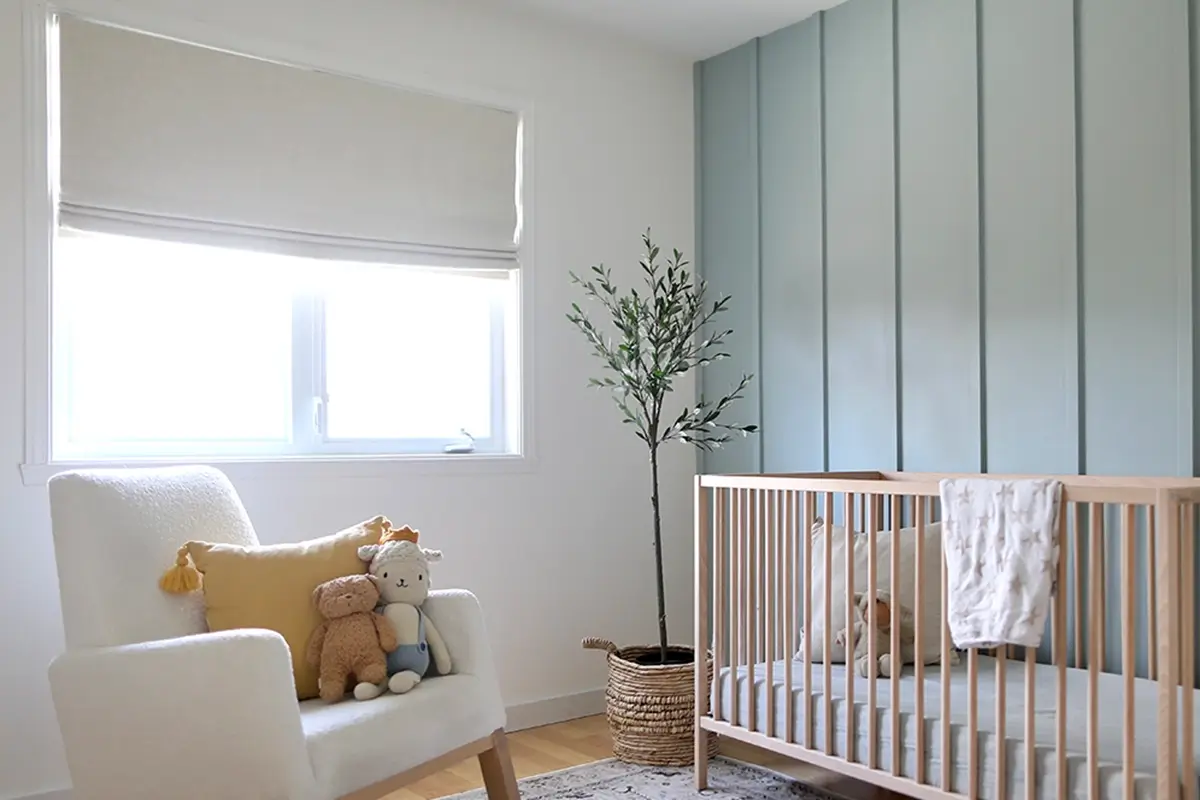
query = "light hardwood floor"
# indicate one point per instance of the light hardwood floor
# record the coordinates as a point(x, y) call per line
point(580, 741)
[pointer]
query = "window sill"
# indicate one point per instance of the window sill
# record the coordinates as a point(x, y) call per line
point(302, 467)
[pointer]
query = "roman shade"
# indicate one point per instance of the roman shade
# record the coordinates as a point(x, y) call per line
point(179, 141)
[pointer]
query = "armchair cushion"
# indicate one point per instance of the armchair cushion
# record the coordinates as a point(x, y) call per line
point(353, 743)
point(271, 586)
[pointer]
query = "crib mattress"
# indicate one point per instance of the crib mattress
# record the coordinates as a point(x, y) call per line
point(1110, 728)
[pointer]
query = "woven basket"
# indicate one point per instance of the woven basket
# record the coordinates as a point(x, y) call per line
point(652, 707)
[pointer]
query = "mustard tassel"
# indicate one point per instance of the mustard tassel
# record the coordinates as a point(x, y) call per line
point(182, 577)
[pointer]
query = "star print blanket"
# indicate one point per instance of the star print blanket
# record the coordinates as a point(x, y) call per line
point(1000, 541)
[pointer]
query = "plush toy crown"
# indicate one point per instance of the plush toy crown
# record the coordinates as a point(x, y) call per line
point(405, 534)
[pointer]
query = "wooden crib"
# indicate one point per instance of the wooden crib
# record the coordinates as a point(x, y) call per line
point(1106, 708)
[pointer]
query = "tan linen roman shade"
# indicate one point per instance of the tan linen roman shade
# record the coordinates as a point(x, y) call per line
point(174, 140)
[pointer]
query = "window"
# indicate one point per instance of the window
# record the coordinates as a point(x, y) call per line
point(165, 349)
point(257, 260)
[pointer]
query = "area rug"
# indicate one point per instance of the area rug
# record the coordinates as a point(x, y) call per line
point(611, 779)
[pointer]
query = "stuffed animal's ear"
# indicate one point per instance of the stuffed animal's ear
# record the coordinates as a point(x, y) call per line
point(367, 552)
point(883, 609)
point(316, 595)
point(883, 614)
point(432, 556)
point(372, 578)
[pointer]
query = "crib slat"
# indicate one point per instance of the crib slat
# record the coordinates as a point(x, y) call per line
point(872, 629)
point(919, 656)
point(1099, 622)
point(1167, 619)
point(848, 705)
point(1151, 591)
point(757, 575)
point(720, 596)
point(779, 532)
point(1001, 720)
point(741, 607)
point(1128, 667)
point(973, 722)
point(753, 584)
point(1079, 615)
point(789, 609)
point(1030, 740)
point(810, 501)
point(1060, 658)
point(1095, 585)
point(736, 558)
point(1187, 667)
point(765, 587)
point(703, 589)
point(827, 685)
point(947, 756)
point(770, 600)
point(897, 661)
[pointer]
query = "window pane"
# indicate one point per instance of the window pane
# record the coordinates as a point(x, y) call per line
point(409, 353)
point(158, 343)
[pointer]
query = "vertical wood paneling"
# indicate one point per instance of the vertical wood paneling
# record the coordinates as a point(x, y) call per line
point(1134, 140)
point(1031, 320)
point(860, 220)
point(729, 235)
point(789, 73)
point(1136, 277)
point(939, 235)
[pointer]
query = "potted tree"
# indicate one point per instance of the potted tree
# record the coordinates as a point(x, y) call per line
point(660, 334)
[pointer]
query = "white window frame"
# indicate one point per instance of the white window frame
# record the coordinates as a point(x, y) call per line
point(309, 428)
point(306, 416)
point(513, 407)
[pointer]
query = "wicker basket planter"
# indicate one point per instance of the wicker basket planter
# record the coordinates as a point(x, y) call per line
point(651, 707)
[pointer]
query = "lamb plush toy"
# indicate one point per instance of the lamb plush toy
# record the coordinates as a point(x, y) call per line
point(401, 570)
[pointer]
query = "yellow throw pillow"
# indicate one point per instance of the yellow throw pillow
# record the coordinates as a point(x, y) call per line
point(271, 586)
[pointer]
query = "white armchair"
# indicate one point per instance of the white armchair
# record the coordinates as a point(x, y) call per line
point(152, 706)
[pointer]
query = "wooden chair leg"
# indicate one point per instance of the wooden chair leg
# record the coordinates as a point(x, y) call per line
point(498, 776)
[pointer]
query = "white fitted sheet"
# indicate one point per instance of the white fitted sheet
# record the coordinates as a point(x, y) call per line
point(1110, 727)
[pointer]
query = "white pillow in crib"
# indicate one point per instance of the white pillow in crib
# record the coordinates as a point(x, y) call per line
point(930, 612)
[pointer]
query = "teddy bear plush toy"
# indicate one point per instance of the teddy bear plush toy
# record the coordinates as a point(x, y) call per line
point(353, 640)
point(400, 567)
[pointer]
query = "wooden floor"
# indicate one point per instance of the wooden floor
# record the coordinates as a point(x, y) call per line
point(581, 741)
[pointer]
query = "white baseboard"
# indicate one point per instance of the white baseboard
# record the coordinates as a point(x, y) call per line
point(555, 709)
point(520, 717)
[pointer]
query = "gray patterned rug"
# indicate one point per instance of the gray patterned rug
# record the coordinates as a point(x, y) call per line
point(611, 779)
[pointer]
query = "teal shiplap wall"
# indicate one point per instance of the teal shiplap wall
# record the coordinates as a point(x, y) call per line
point(959, 235)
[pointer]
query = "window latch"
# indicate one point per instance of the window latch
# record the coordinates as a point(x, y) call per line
point(319, 415)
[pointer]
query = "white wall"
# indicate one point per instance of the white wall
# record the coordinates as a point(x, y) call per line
point(613, 155)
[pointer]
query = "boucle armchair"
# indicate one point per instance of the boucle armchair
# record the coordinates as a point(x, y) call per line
point(152, 706)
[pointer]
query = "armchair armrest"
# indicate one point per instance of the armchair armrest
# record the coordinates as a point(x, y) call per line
point(203, 716)
point(459, 618)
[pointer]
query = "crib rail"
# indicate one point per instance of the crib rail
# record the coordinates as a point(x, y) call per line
point(1105, 707)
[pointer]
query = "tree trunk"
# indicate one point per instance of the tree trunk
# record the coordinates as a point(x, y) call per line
point(658, 557)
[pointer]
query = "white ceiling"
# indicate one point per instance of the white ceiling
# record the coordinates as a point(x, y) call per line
point(693, 28)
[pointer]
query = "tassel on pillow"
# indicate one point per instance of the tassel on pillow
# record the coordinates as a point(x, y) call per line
point(182, 577)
